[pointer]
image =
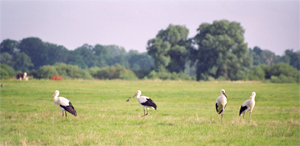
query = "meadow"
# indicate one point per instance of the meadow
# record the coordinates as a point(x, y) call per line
point(185, 114)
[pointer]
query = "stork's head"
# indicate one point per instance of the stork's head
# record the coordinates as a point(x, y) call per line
point(138, 93)
point(252, 95)
point(223, 92)
point(56, 93)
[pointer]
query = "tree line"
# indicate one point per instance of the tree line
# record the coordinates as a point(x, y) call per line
point(217, 52)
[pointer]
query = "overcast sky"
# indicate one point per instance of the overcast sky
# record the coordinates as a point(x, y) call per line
point(272, 25)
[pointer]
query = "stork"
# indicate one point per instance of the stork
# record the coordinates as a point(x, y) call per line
point(64, 103)
point(144, 101)
point(248, 105)
point(221, 103)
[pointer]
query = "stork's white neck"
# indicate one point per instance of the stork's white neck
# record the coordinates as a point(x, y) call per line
point(56, 100)
point(138, 95)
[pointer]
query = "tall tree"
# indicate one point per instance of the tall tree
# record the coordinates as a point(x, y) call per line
point(36, 50)
point(22, 62)
point(172, 42)
point(9, 46)
point(222, 51)
point(87, 53)
point(140, 61)
point(6, 58)
point(268, 57)
point(294, 58)
point(158, 49)
point(101, 54)
point(56, 53)
point(256, 55)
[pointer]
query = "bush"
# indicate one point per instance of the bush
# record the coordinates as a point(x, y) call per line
point(282, 79)
point(6, 71)
point(284, 73)
point(256, 73)
point(168, 76)
point(113, 72)
point(71, 71)
point(33, 73)
point(47, 72)
point(64, 70)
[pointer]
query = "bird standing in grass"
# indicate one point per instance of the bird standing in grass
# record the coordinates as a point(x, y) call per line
point(65, 104)
point(144, 101)
point(248, 105)
point(221, 103)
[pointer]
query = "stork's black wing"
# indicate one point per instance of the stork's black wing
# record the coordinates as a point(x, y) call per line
point(150, 103)
point(243, 108)
point(70, 109)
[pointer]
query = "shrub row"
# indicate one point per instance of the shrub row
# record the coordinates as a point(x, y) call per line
point(278, 73)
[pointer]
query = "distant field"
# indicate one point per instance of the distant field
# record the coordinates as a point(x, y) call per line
point(185, 115)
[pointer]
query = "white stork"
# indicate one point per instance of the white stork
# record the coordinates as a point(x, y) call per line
point(64, 103)
point(144, 101)
point(248, 105)
point(221, 103)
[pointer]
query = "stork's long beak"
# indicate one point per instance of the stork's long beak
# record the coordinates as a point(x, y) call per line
point(130, 97)
point(225, 95)
point(53, 94)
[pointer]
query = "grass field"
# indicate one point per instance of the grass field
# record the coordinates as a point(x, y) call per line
point(185, 115)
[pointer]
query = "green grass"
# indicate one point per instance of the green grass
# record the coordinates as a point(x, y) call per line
point(185, 115)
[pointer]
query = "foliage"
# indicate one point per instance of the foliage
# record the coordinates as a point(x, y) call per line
point(293, 58)
point(71, 71)
point(221, 50)
point(140, 61)
point(276, 73)
point(9, 46)
point(19, 61)
point(6, 58)
point(113, 72)
point(64, 70)
point(22, 62)
point(217, 52)
point(169, 48)
point(36, 49)
point(284, 73)
point(168, 76)
point(256, 73)
point(47, 72)
point(6, 71)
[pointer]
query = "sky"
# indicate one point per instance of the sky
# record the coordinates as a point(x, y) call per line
point(269, 24)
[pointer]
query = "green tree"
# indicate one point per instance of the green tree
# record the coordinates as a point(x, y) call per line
point(293, 58)
point(158, 49)
point(6, 58)
point(87, 53)
point(172, 42)
point(256, 73)
point(56, 53)
point(222, 51)
point(140, 61)
point(76, 59)
point(22, 62)
point(255, 55)
point(9, 46)
point(268, 57)
point(6, 71)
point(101, 54)
point(36, 50)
